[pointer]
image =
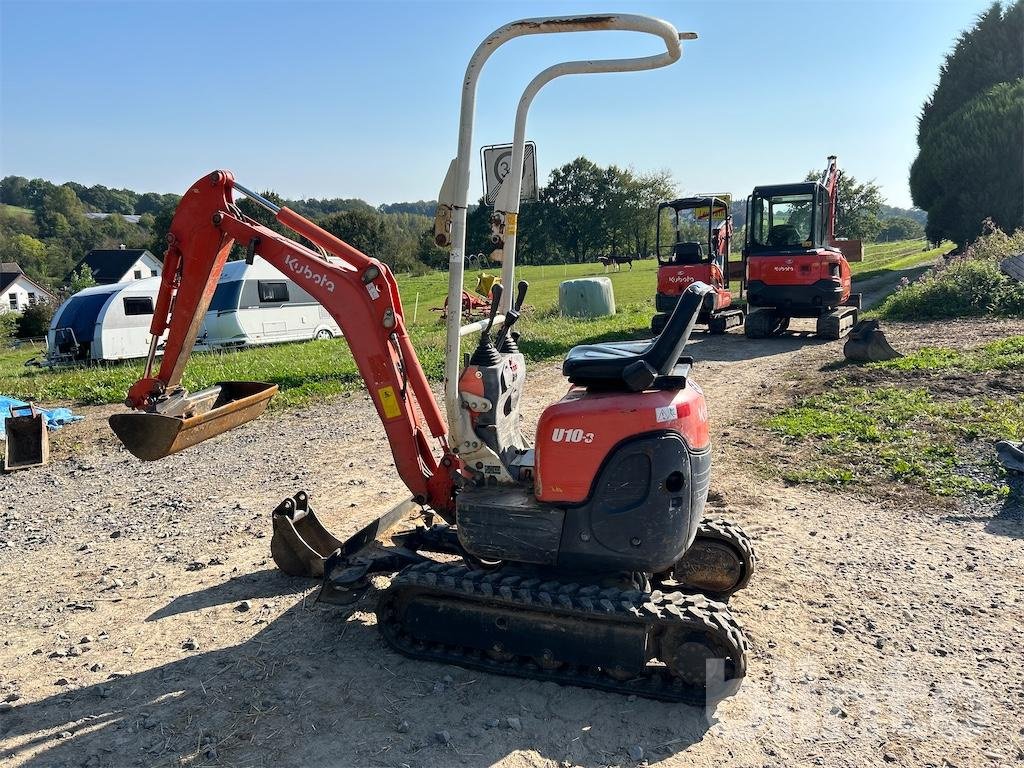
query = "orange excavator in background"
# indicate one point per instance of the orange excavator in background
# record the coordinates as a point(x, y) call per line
point(795, 265)
point(687, 260)
point(581, 557)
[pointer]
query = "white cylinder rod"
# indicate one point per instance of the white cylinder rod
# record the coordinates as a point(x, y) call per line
point(547, 25)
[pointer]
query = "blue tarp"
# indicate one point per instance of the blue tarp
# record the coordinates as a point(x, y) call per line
point(55, 417)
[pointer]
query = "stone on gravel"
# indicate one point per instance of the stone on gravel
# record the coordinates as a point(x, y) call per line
point(403, 727)
point(243, 606)
point(190, 644)
point(443, 737)
point(61, 681)
point(636, 753)
point(514, 723)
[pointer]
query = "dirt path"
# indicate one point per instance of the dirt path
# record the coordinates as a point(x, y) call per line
point(145, 624)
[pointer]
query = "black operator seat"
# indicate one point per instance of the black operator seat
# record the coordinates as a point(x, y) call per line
point(782, 235)
point(633, 366)
point(688, 253)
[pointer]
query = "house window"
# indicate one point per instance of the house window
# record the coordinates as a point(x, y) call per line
point(153, 273)
point(138, 305)
point(31, 299)
point(273, 291)
point(138, 274)
point(14, 301)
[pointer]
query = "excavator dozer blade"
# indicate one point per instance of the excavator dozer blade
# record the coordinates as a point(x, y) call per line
point(867, 344)
point(204, 414)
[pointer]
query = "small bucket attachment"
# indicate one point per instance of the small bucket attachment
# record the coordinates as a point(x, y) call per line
point(28, 444)
point(301, 544)
point(867, 344)
point(188, 420)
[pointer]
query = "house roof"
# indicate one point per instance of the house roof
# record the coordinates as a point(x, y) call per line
point(109, 266)
point(10, 271)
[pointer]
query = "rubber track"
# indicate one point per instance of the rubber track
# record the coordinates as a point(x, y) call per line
point(597, 604)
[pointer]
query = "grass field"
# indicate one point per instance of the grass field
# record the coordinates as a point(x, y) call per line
point(900, 424)
point(319, 368)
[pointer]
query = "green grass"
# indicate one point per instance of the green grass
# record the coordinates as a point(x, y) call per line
point(1002, 355)
point(908, 434)
point(317, 369)
point(883, 258)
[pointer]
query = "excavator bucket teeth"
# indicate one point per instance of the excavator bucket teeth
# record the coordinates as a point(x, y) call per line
point(198, 417)
point(867, 344)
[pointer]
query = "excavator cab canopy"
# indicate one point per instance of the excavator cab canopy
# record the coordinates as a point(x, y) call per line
point(696, 230)
point(786, 218)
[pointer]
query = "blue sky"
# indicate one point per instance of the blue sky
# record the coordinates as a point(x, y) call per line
point(360, 99)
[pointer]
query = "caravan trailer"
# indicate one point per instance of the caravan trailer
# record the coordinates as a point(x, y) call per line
point(105, 322)
point(256, 304)
point(253, 304)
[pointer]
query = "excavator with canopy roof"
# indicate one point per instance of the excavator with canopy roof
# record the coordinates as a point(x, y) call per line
point(582, 556)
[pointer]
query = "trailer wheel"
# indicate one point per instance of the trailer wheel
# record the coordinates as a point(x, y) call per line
point(324, 333)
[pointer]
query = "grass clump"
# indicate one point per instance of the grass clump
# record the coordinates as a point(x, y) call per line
point(1002, 355)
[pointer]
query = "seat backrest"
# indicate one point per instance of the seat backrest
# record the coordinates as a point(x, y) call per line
point(688, 253)
point(666, 350)
point(783, 234)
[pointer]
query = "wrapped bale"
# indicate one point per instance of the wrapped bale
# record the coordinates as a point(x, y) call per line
point(586, 297)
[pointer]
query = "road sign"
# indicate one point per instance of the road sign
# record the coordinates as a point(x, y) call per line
point(497, 159)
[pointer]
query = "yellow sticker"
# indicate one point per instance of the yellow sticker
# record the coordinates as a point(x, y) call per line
point(389, 403)
point(511, 220)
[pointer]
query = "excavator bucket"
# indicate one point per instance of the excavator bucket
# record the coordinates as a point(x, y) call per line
point(197, 417)
point(27, 442)
point(867, 344)
point(301, 544)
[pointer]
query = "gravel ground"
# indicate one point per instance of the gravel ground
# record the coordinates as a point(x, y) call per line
point(146, 625)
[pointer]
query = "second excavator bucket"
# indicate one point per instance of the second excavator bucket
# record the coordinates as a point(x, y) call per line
point(301, 544)
point(197, 417)
point(867, 344)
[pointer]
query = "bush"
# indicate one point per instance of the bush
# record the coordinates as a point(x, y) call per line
point(7, 322)
point(34, 322)
point(966, 285)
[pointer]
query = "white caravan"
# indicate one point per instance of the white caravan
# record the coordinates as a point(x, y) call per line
point(256, 304)
point(253, 304)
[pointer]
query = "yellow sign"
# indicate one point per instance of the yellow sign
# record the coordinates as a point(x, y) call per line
point(720, 212)
point(511, 220)
point(389, 403)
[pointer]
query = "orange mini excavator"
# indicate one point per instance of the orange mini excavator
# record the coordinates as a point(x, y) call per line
point(795, 265)
point(583, 558)
point(688, 258)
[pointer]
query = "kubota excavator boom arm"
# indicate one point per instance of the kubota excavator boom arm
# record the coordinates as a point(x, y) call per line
point(359, 292)
point(830, 180)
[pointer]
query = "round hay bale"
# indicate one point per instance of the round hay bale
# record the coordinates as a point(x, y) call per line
point(586, 297)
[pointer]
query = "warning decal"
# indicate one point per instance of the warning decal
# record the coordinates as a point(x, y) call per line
point(389, 403)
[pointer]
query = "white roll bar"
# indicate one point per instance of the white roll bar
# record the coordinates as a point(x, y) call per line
point(509, 197)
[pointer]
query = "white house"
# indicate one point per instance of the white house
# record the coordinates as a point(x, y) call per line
point(18, 290)
point(121, 265)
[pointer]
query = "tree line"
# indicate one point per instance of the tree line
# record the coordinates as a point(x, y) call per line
point(584, 211)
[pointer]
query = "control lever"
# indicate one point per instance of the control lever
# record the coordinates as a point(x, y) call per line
point(511, 317)
point(486, 353)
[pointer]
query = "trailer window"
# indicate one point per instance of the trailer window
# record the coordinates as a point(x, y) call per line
point(273, 291)
point(225, 298)
point(138, 305)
